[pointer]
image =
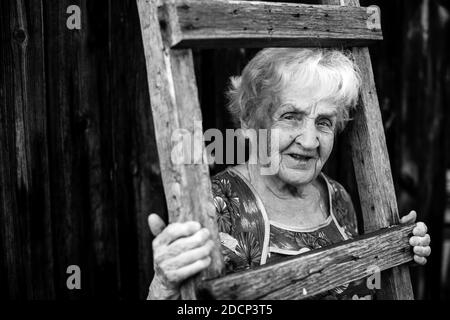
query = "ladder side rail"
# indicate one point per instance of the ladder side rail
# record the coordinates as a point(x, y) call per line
point(372, 169)
point(176, 111)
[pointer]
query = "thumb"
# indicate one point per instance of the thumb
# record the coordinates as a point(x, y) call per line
point(156, 224)
point(410, 218)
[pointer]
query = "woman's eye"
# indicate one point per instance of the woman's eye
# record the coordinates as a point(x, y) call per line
point(288, 116)
point(325, 123)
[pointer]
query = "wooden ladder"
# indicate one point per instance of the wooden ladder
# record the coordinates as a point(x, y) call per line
point(169, 30)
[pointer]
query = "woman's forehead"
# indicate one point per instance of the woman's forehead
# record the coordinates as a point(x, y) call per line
point(308, 104)
point(304, 95)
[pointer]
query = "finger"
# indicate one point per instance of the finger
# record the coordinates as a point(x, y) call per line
point(420, 229)
point(420, 260)
point(410, 218)
point(189, 271)
point(422, 251)
point(177, 230)
point(184, 244)
point(189, 257)
point(156, 224)
point(420, 241)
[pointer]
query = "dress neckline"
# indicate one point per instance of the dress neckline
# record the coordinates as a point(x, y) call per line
point(327, 221)
point(282, 226)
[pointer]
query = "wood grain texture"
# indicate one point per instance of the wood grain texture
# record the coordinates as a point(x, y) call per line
point(372, 169)
point(316, 272)
point(105, 174)
point(25, 215)
point(85, 233)
point(36, 221)
point(129, 136)
point(78, 171)
point(424, 81)
point(196, 23)
point(175, 107)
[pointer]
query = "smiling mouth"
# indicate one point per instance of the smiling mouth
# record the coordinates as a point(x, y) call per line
point(301, 157)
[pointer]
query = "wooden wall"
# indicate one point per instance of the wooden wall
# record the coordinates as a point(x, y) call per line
point(78, 165)
point(412, 74)
point(79, 170)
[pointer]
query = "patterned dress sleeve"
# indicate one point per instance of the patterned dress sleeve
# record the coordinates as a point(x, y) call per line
point(227, 210)
point(344, 210)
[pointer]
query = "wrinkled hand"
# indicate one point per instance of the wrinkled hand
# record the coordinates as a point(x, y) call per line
point(420, 239)
point(180, 251)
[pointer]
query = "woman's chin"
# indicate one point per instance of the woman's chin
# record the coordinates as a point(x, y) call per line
point(296, 177)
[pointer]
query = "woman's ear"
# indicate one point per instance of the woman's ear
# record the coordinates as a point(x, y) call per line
point(244, 128)
point(244, 125)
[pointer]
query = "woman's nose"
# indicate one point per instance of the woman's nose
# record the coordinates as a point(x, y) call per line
point(307, 137)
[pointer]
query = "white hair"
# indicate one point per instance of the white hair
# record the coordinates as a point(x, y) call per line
point(328, 74)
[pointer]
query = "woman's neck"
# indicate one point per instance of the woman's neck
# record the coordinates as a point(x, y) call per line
point(278, 187)
point(295, 209)
point(300, 206)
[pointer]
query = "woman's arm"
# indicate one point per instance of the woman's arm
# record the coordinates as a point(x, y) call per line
point(180, 251)
point(158, 291)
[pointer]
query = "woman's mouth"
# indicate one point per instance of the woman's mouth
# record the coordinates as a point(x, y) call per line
point(302, 158)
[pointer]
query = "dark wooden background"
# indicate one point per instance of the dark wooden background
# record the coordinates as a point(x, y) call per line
point(79, 169)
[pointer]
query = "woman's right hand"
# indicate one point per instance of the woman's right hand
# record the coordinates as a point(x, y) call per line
point(180, 251)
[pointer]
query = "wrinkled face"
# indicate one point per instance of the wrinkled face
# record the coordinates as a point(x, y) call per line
point(306, 135)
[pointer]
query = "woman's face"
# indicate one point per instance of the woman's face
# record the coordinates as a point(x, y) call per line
point(306, 135)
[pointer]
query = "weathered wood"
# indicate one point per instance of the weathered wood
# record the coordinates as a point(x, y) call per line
point(26, 255)
point(196, 23)
point(372, 169)
point(127, 149)
point(318, 271)
point(68, 128)
point(422, 133)
point(173, 26)
point(373, 174)
point(136, 179)
point(69, 119)
point(175, 106)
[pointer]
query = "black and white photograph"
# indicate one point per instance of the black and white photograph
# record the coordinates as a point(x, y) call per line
point(225, 150)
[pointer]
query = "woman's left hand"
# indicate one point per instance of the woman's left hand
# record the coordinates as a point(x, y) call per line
point(420, 239)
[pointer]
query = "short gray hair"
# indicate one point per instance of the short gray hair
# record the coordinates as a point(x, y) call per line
point(331, 74)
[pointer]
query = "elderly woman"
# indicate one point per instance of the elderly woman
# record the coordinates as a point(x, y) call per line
point(305, 95)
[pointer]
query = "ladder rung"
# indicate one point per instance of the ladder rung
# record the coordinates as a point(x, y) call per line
point(220, 23)
point(318, 271)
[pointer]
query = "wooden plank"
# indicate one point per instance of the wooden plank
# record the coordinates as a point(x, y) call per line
point(26, 255)
point(174, 101)
point(134, 162)
point(422, 135)
point(68, 125)
point(97, 109)
point(318, 271)
point(372, 169)
point(220, 23)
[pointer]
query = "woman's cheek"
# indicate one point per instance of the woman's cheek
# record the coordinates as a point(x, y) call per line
point(284, 135)
point(326, 141)
point(287, 138)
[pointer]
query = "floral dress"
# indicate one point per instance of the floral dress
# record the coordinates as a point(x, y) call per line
point(249, 239)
